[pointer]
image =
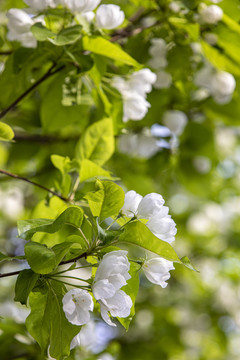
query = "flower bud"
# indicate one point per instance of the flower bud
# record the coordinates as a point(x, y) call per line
point(157, 270)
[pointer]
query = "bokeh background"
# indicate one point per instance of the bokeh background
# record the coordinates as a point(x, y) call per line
point(197, 316)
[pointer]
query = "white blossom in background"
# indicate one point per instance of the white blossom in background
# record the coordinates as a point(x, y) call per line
point(40, 5)
point(211, 14)
point(86, 337)
point(142, 145)
point(134, 92)
point(80, 5)
point(10, 310)
point(106, 356)
point(109, 16)
point(211, 38)
point(219, 84)
point(19, 26)
point(88, 16)
point(158, 52)
point(176, 121)
point(164, 80)
point(175, 6)
point(12, 202)
point(157, 270)
point(76, 305)
point(111, 275)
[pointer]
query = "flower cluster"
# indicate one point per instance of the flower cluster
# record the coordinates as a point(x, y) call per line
point(20, 21)
point(134, 92)
point(151, 207)
point(219, 84)
point(158, 51)
point(112, 274)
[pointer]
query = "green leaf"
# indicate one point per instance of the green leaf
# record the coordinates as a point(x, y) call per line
point(6, 132)
point(3, 257)
point(72, 216)
point(47, 322)
point(99, 45)
point(97, 143)
point(67, 36)
point(90, 170)
point(41, 33)
point(138, 233)
point(219, 60)
point(233, 25)
point(61, 250)
point(131, 289)
point(41, 259)
point(24, 285)
point(107, 200)
point(186, 262)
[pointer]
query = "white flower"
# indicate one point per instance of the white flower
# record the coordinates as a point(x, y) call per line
point(86, 337)
point(81, 5)
point(162, 225)
point(164, 80)
point(141, 81)
point(158, 51)
point(19, 26)
point(118, 305)
point(157, 270)
point(211, 14)
point(88, 16)
point(223, 85)
point(135, 107)
point(131, 202)
point(109, 16)
point(211, 38)
point(111, 275)
point(176, 121)
point(76, 304)
point(150, 205)
point(40, 5)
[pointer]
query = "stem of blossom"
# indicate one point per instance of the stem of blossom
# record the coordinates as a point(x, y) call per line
point(33, 183)
point(76, 268)
point(49, 73)
point(76, 286)
point(71, 277)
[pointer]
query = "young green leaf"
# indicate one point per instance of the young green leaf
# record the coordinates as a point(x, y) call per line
point(47, 322)
point(41, 33)
point(97, 143)
point(99, 45)
point(24, 285)
point(72, 216)
point(6, 132)
point(90, 170)
point(138, 233)
point(41, 259)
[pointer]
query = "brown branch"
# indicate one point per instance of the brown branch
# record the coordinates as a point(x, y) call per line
point(49, 73)
point(33, 183)
point(5, 52)
point(21, 136)
point(61, 263)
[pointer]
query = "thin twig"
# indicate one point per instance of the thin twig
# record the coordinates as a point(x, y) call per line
point(43, 139)
point(5, 52)
point(49, 73)
point(33, 183)
point(61, 263)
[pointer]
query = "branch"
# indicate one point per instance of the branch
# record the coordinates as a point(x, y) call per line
point(28, 91)
point(43, 139)
point(33, 183)
point(5, 52)
point(61, 263)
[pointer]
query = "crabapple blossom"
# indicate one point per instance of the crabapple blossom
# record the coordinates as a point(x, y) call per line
point(158, 52)
point(76, 304)
point(135, 107)
point(141, 81)
point(131, 202)
point(80, 5)
point(19, 26)
point(157, 270)
point(211, 14)
point(40, 5)
point(150, 205)
point(164, 80)
point(111, 275)
point(109, 16)
point(176, 121)
point(162, 225)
